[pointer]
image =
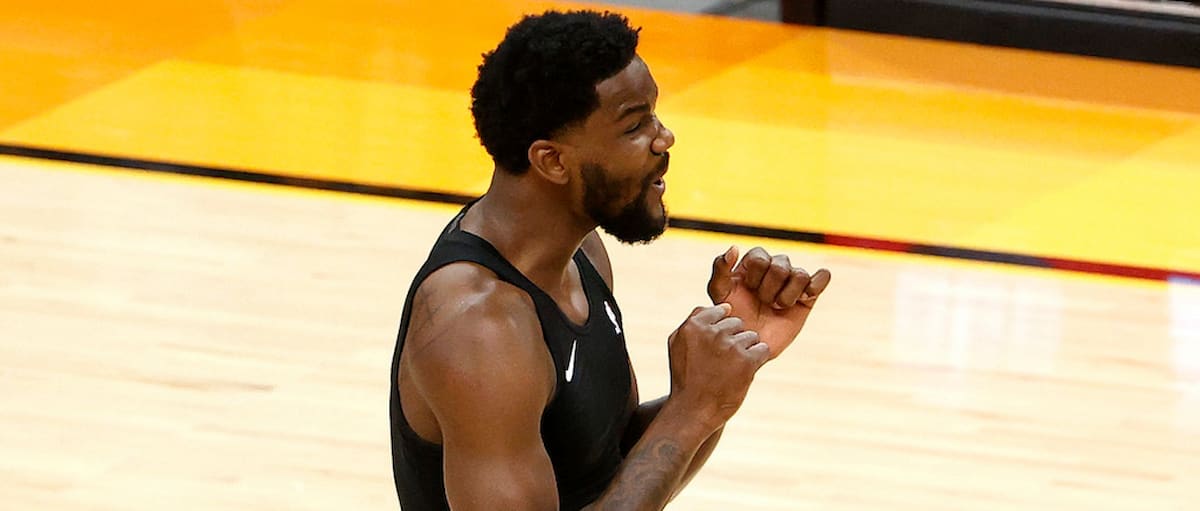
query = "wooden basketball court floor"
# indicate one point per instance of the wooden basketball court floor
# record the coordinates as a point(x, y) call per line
point(187, 342)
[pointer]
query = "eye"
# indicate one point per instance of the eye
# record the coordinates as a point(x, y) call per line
point(634, 128)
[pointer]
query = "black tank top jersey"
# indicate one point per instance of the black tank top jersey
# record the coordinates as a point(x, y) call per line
point(582, 425)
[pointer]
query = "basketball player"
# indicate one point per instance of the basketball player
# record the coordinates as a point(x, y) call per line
point(511, 385)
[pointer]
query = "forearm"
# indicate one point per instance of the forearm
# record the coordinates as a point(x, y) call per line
point(657, 464)
point(699, 459)
point(641, 420)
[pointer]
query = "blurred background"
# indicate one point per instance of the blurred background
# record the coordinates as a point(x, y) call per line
point(210, 213)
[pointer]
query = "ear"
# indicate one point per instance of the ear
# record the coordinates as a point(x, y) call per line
point(546, 159)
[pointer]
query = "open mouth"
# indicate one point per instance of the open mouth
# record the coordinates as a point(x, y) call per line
point(659, 184)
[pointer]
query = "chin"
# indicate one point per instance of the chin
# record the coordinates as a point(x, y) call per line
point(639, 222)
point(647, 231)
point(662, 218)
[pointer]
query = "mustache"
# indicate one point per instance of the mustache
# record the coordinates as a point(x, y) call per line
point(662, 165)
point(659, 170)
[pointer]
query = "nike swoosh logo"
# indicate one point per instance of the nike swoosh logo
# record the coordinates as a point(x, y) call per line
point(571, 363)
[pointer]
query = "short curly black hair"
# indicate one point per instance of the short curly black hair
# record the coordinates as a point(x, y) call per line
point(542, 77)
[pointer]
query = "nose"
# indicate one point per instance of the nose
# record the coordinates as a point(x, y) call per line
point(663, 141)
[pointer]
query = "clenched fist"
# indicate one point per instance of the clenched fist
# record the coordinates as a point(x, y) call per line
point(771, 296)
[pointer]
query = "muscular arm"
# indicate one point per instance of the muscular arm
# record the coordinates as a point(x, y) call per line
point(593, 247)
point(483, 375)
point(644, 415)
point(478, 368)
point(713, 361)
point(657, 466)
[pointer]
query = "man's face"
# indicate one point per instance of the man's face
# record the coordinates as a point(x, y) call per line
point(623, 157)
point(639, 220)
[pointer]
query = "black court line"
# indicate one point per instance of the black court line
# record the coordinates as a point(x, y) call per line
point(142, 164)
point(233, 174)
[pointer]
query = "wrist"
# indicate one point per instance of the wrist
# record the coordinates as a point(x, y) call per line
point(691, 420)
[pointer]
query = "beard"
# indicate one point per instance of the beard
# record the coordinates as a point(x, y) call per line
point(638, 221)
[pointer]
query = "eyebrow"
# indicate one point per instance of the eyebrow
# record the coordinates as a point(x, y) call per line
point(634, 109)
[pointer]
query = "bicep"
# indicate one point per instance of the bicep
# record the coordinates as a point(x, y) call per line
point(492, 466)
point(487, 382)
point(494, 457)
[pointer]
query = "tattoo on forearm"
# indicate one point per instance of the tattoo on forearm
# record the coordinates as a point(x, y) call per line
point(648, 478)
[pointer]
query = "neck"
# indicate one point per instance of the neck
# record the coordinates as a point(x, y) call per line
point(530, 223)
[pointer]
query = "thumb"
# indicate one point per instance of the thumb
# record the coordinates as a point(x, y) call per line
point(721, 282)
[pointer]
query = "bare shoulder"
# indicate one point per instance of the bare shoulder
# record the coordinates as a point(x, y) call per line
point(593, 248)
point(459, 297)
point(469, 328)
point(478, 379)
